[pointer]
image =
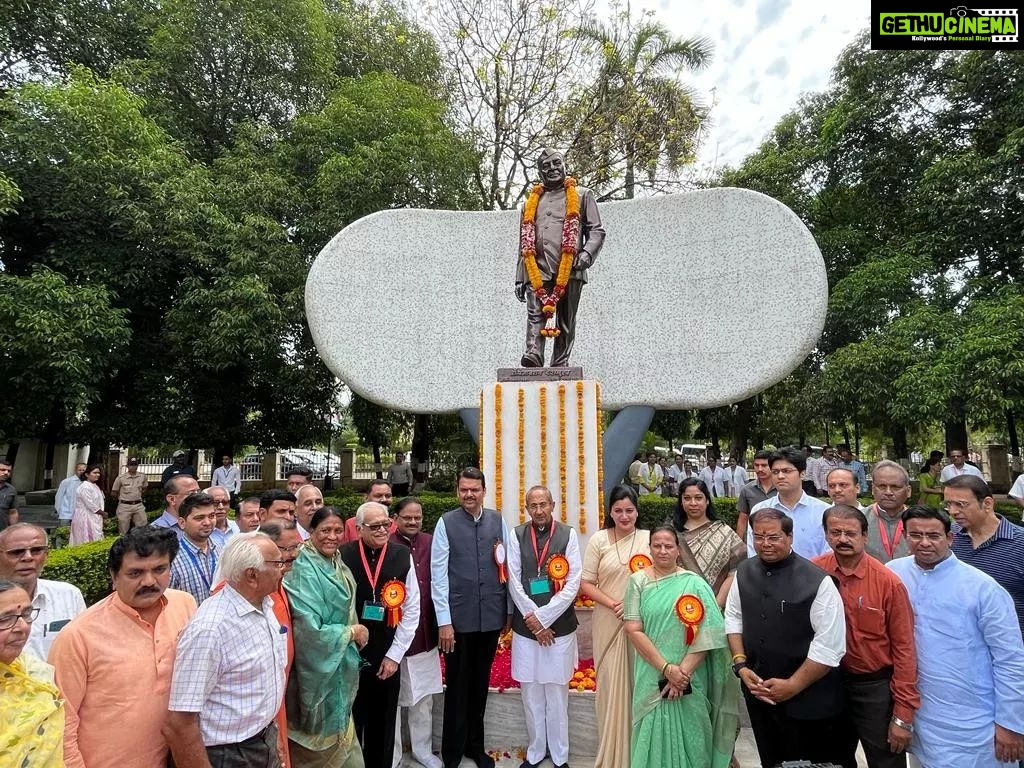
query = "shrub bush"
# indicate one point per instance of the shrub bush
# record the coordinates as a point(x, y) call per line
point(85, 566)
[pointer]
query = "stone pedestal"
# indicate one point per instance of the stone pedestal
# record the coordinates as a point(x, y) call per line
point(997, 463)
point(543, 433)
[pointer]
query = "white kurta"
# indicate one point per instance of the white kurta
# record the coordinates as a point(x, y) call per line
point(421, 676)
point(532, 662)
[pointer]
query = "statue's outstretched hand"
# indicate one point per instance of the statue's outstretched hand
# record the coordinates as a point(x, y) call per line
point(521, 291)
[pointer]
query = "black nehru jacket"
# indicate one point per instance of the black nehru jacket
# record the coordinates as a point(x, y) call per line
point(396, 566)
point(775, 599)
point(566, 623)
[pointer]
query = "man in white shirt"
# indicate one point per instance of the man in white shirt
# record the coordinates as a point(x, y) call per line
point(23, 553)
point(958, 467)
point(228, 476)
point(714, 477)
point(822, 467)
point(64, 501)
point(786, 627)
point(805, 511)
point(737, 477)
point(229, 672)
point(1017, 491)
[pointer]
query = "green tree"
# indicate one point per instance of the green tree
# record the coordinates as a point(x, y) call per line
point(57, 341)
point(637, 123)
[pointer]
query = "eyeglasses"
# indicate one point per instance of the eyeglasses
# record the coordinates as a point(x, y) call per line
point(292, 549)
point(8, 621)
point(890, 488)
point(378, 526)
point(949, 506)
point(278, 563)
point(774, 538)
point(786, 471)
point(931, 536)
point(17, 554)
point(220, 502)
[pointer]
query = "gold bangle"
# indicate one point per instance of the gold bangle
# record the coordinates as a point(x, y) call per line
point(662, 673)
point(738, 657)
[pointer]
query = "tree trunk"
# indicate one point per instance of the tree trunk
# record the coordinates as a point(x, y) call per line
point(419, 451)
point(376, 461)
point(741, 428)
point(1011, 432)
point(899, 441)
point(956, 434)
point(846, 434)
point(12, 452)
point(52, 434)
point(856, 438)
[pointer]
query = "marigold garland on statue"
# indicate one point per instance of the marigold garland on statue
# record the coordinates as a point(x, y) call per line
point(562, 456)
point(600, 455)
point(569, 245)
point(480, 430)
point(497, 447)
point(521, 433)
point(543, 435)
point(580, 434)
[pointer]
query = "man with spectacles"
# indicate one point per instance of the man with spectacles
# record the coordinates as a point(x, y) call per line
point(805, 511)
point(229, 673)
point(223, 529)
point(23, 553)
point(958, 466)
point(879, 670)
point(890, 485)
point(970, 657)
point(984, 539)
point(387, 600)
point(545, 569)
point(421, 667)
point(787, 631)
point(122, 650)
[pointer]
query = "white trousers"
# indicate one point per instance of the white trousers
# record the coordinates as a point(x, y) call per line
point(421, 720)
point(546, 706)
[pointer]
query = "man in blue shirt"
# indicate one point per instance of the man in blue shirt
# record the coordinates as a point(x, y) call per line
point(970, 657)
point(984, 539)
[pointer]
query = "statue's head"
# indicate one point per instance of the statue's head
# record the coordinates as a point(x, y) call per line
point(551, 164)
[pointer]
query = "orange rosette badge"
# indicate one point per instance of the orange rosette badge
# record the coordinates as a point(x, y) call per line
point(393, 595)
point(638, 562)
point(690, 611)
point(558, 570)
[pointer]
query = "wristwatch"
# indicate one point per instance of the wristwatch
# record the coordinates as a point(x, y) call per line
point(739, 665)
point(902, 724)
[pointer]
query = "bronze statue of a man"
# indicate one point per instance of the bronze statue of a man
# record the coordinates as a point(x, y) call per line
point(560, 236)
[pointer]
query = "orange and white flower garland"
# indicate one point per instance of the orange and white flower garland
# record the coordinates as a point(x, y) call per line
point(497, 447)
point(521, 429)
point(600, 457)
point(579, 456)
point(562, 456)
point(570, 242)
point(543, 436)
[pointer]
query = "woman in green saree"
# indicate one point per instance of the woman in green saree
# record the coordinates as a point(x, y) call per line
point(325, 674)
point(685, 700)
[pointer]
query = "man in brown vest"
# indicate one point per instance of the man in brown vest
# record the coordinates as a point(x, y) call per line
point(544, 577)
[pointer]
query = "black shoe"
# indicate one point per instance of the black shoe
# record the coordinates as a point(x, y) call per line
point(531, 361)
point(528, 764)
point(563, 765)
point(483, 760)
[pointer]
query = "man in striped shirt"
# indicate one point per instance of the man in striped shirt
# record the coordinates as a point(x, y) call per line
point(981, 538)
point(193, 569)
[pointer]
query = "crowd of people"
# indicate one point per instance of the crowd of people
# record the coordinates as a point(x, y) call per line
point(291, 636)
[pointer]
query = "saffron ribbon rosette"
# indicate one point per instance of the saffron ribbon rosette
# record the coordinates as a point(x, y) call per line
point(499, 560)
point(570, 242)
point(558, 570)
point(690, 611)
point(638, 562)
point(393, 595)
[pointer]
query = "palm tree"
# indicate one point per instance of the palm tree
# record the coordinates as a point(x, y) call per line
point(636, 115)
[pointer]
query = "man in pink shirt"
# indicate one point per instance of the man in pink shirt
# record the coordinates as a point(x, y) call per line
point(113, 663)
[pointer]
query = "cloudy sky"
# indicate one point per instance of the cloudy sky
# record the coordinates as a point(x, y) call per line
point(767, 52)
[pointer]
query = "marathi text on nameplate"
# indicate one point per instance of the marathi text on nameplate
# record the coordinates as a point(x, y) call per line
point(567, 373)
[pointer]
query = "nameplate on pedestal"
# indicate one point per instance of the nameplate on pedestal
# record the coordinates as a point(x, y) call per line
point(564, 373)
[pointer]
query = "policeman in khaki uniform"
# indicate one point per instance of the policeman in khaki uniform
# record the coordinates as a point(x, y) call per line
point(127, 489)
